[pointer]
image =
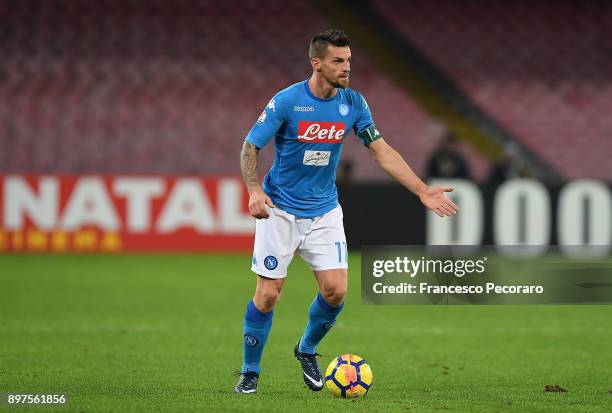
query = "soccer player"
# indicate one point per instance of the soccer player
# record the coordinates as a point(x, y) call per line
point(297, 209)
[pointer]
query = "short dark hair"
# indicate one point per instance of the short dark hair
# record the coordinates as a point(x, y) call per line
point(333, 37)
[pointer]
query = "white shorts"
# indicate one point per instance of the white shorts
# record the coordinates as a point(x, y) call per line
point(320, 241)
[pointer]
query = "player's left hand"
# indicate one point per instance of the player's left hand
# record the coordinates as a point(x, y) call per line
point(435, 200)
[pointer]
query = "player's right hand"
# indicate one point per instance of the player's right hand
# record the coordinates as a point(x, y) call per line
point(257, 204)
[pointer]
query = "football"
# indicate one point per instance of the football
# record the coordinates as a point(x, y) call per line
point(348, 376)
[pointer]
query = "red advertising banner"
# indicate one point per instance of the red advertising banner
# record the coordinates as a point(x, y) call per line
point(123, 213)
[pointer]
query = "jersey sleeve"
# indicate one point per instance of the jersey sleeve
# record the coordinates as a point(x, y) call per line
point(364, 126)
point(268, 123)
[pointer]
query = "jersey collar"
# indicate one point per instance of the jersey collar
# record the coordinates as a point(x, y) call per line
point(316, 98)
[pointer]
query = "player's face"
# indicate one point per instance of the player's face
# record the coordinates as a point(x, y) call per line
point(335, 66)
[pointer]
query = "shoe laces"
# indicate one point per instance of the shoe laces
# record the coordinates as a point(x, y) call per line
point(311, 358)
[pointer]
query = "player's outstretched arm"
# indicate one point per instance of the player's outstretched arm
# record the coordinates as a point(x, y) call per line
point(393, 163)
point(257, 197)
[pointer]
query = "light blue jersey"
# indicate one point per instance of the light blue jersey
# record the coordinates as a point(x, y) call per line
point(309, 135)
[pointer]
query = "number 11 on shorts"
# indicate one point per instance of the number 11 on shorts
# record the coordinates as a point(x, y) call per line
point(340, 249)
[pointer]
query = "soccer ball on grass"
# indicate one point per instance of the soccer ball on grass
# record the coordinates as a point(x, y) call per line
point(348, 376)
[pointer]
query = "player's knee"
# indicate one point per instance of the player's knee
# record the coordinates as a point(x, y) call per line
point(265, 300)
point(334, 295)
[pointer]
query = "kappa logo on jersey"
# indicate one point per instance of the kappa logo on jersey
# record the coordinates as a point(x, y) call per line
point(321, 132)
point(365, 103)
point(303, 109)
point(272, 105)
point(262, 117)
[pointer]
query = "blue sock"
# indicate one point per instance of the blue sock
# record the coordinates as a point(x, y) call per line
point(321, 318)
point(256, 328)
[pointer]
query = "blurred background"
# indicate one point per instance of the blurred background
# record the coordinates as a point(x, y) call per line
point(121, 121)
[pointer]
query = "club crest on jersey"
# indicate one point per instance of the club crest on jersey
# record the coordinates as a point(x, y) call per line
point(271, 262)
point(343, 109)
point(321, 132)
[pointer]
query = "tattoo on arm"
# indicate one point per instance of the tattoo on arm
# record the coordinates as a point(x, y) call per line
point(248, 164)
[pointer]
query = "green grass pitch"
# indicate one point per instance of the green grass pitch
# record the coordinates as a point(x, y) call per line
point(160, 333)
